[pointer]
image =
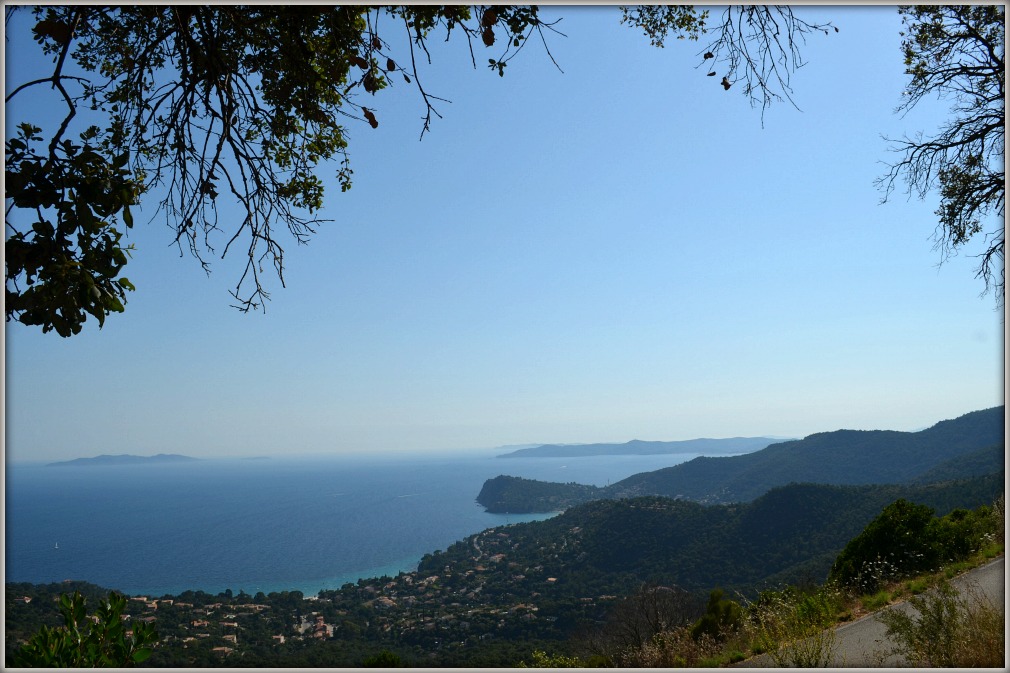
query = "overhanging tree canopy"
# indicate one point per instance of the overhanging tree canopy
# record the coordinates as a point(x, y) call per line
point(200, 104)
point(957, 53)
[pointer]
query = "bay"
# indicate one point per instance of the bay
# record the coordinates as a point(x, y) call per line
point(276, 524)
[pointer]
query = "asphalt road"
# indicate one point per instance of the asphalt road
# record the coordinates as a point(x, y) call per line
point(862, 642)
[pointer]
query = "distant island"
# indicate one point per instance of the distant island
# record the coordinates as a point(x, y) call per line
point(638, 447)
point(123, 459)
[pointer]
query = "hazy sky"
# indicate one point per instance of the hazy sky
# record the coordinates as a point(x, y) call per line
point(619, 251)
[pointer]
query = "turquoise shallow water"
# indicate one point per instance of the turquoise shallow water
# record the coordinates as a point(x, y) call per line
point(261, 525)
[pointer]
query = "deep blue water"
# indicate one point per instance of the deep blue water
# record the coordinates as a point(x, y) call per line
point(261, 525)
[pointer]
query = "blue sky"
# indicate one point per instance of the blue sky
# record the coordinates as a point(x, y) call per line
point(618, 251)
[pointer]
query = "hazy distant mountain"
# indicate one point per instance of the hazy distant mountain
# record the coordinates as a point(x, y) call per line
point(123, 459)
point(638, 447)
point(840, 457)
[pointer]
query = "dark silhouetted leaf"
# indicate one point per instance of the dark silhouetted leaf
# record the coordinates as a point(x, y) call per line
point(59, 31)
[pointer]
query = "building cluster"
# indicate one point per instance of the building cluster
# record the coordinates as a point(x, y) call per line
point(216, 624)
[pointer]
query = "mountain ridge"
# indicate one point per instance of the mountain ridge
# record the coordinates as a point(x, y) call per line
point(840, 457)
point(638, 447)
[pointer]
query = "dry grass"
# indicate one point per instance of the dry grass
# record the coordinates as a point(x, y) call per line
point(795, 630)
point(982, 640)
point(675, 648)
point(948, 629)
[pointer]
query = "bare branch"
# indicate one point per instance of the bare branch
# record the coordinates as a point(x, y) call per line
point(955, 53)
point(760, 46)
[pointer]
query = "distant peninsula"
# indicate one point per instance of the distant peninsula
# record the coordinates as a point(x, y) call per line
point(969, 446)
point(123, 459)
point(636, 447)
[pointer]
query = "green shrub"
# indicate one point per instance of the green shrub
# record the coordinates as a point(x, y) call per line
point(962, 532)
point(906, 539)
point(947, 630)
point(796, 628)
point(875, 601)
point(384, 659)
point(893, 544)
point(541, 659)
point(83, 642)
point(722, 617)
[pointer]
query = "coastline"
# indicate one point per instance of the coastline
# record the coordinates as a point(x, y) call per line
point(270, 526)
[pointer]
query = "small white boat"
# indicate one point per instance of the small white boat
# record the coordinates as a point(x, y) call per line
point(57, 546)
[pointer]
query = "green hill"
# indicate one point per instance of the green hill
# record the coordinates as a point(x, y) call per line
point(505, 495)
point(841, 457)
point(791, 534)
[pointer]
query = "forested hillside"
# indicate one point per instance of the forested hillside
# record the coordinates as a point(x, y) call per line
point(840, 457)
point(977, 463)
point(790, 534)
point(490, 599)
point(514, 494)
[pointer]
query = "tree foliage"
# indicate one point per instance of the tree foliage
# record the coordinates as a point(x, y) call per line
point(722, 617)
point(384, 659)
point(197, 104)
point(71, 257)
point(956, 53)
point(188, 108)
point(87, 642)
point(906, 539)
point(756, 45)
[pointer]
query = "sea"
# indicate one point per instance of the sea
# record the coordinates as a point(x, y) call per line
point(269, 524)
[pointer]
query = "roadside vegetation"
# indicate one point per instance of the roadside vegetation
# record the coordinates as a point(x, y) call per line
point(887, 563)
point(950, 629)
